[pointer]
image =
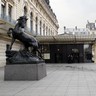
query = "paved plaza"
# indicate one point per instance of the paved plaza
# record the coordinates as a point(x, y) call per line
point(61, 80)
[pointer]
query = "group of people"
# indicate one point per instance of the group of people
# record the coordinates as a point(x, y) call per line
point(72, 58)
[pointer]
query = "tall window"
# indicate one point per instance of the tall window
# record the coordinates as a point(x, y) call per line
point(10, 12)
point(25, 11)
point(40, 28)
point(31, 21)
point(36, 26)
point(44, 29)
point(49, 31)
point(3, 10)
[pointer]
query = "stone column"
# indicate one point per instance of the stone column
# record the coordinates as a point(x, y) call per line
point(38, 26)
point(95, 52)
point(7, 10)
point(0, 8)
point(28, 16)
point(34, 23)
point(22, 8)
point(14, 11)
point(42, 28)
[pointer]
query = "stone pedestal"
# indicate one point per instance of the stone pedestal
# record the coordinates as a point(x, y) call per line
point(25, 72)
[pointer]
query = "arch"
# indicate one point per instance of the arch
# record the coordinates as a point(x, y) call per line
point(49, 31)
point(31, 21)
point(44, 29)
point(3, 8)
point(25, 10)
point(36, 26)
point(10, 8)
point(31, 15)
point(40, 27)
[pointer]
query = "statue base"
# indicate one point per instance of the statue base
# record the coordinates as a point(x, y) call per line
point(19, 72)
point(22, 57)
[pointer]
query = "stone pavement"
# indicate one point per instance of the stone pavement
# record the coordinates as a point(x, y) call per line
point(61, 80)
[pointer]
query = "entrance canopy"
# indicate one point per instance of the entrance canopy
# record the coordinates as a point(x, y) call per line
point(65, 39)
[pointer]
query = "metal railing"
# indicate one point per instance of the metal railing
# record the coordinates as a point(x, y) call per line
point(7, 19)
point(13, 22)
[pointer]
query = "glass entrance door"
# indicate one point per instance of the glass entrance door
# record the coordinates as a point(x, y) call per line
point(58, 58)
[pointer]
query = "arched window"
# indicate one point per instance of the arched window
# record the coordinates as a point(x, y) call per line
point(31, 21)
point(49, 31)
point(40, 27)
point(44, 29)
point(36, 26)
point(10, 12)
point(3, 8)
point(25, 11)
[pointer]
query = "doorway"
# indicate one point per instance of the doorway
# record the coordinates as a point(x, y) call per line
point(61, 53)
point(75, 54)
point(58, 58)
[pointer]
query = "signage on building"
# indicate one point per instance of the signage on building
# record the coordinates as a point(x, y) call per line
point(46, 55)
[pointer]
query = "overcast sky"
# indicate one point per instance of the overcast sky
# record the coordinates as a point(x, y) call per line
point(71, 13)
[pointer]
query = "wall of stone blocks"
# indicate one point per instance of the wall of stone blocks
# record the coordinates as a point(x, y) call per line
point(3, 43)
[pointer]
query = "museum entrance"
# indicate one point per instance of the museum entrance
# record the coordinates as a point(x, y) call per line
point(58, 57)
point(75, 55)
point(66, 53)
point(72, 57)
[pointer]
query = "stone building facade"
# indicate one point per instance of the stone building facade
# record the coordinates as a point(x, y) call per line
point(91, 28)
point(41, 21)
point(75, 31)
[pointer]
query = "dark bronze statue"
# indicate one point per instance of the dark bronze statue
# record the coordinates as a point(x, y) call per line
point(18, 33)
point(23, 56)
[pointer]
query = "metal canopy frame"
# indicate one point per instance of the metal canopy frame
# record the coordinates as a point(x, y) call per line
point(66, 39)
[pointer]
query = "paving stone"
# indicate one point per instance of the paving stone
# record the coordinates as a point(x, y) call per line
point(61, 80)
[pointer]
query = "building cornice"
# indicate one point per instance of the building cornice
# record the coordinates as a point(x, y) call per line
point(11, 1)
point(48, 11)
point(55, 22)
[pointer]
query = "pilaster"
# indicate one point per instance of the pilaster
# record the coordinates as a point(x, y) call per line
point(0, 8)
point(7, 9)
point(95, 52)
point(38, 25)
point(34, 23)
point(28, 16)
point(14, 13)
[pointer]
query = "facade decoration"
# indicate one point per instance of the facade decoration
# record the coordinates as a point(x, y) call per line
point(41, 21)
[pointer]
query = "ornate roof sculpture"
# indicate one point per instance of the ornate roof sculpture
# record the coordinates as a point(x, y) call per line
point(47, 1)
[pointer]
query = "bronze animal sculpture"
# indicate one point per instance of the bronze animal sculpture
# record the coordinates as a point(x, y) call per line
point(19, 34)
point(23, 56)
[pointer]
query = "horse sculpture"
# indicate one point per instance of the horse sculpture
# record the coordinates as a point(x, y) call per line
point(28, 41)
point(19, 34)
